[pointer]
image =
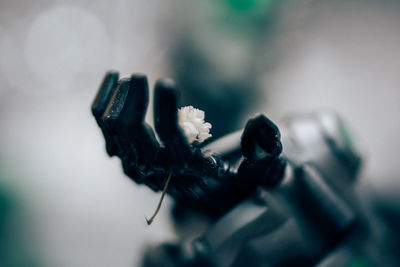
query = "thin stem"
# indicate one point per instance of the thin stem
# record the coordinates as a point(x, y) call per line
point(149, 221)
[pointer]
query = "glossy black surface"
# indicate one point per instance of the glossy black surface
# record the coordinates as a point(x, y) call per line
point(200, 181)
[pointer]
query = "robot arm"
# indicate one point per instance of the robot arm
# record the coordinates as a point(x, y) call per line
point(268, 209)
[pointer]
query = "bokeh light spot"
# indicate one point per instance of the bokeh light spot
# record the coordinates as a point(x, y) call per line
point(62, 43)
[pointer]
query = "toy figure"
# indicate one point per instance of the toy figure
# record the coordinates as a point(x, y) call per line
point(265, 208)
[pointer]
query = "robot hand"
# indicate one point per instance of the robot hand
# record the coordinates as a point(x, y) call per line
point(200, 180)
point(310, 216)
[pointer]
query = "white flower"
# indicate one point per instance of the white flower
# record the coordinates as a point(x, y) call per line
point(191, 120)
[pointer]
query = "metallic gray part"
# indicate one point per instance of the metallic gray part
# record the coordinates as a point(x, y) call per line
point(325, 201)
point(225, 145)
point(257, 216)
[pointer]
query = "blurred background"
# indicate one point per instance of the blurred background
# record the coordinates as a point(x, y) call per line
point(63, 202)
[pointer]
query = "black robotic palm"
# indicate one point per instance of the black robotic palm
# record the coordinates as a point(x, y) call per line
point(199, 180)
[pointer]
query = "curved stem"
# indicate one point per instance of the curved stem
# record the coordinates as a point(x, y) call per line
point(149, 221)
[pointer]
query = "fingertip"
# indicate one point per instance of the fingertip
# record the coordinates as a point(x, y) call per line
point(104, 93)
point(138, 81)
point(137, 100)
point(260, 132)
point(167, 84)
